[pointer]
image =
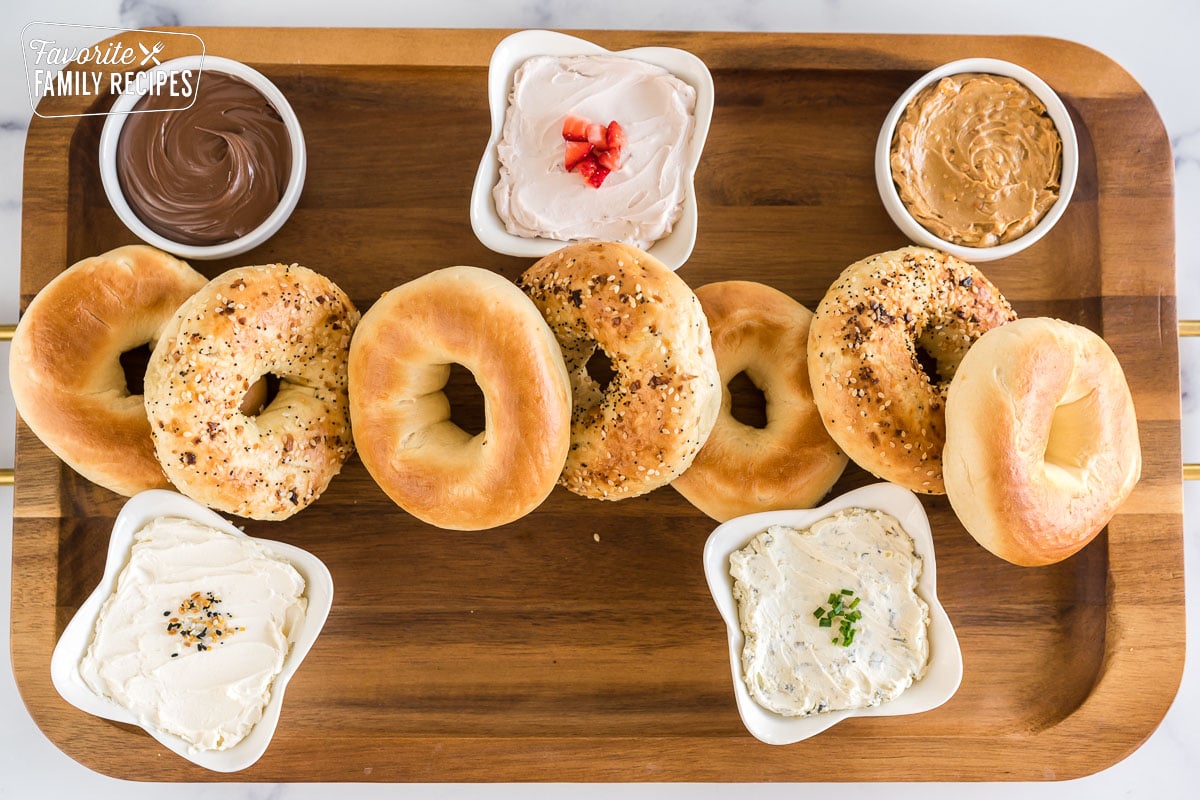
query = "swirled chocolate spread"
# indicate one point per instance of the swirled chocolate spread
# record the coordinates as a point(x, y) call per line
point(977, 159)
point(206, 174)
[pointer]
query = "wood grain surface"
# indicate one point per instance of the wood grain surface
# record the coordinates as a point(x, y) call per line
point(580, 643)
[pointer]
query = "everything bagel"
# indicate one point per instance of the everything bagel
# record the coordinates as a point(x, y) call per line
point(642, 429)
point(876, 399)
point(245, 324)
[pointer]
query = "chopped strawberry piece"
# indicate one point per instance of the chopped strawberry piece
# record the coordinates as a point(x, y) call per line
point(598, 176)
point(615, 136)
point(592, 171)
point(575, 152)
point(593, 149)
point(588, 166)
point(610, 159)
point(597, 136)
point(575, 129)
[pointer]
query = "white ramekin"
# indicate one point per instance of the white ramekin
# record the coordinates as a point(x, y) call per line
point(1070, 160)
point(111, 134)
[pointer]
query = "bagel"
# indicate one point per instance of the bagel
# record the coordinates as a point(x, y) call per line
point(644, 427)
point(876, 400)
point(790, 463)
point(399, 363)
point(65, 370)
point(1041, 440)
point(245, 324)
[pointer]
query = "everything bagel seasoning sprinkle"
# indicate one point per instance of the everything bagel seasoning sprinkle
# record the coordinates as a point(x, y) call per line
point(199, 621)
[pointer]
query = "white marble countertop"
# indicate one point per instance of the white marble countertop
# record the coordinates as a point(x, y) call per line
point(1156, 40)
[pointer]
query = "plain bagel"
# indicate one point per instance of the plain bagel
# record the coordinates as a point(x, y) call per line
point(790, 463)
point(245, 324)
point(399, 363)
point(864, 357)
point(65, 368)
point(643, 428)
point(1041, 440)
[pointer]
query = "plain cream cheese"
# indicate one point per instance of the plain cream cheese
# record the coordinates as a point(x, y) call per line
point(791, 665)
point(640, 201)
point(195, 632)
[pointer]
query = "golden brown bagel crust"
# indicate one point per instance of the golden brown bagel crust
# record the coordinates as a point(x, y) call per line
point(1041, 440)
point(875, 399)
point(247, 323)
point(792, 462)
point(399, 362)
point(64, 366)
point(643, 429)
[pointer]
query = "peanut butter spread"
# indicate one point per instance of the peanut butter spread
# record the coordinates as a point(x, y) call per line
point(976, 159)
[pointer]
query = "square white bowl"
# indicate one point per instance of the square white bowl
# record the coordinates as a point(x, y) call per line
point(74, 642)
point(674, 248)
point(944, 674)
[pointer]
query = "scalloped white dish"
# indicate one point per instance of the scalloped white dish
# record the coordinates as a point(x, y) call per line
point(74, 642)
point(674, 248)
point(944, 673)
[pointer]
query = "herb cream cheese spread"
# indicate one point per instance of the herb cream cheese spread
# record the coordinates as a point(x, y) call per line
point(783, 580)
point(195, 632)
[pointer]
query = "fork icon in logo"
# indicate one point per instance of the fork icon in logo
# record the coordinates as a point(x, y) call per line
point(151, 55)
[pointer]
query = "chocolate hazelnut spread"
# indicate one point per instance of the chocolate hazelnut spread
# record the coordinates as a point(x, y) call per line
point(977, 159)
point(210, 173)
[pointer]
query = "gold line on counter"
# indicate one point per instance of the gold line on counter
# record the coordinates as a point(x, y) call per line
point(1190, 327)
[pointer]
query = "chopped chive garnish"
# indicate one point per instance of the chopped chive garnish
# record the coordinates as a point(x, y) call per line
point(844, 614)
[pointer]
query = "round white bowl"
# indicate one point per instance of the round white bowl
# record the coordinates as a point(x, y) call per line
point(111, 134)
point(913, 229)
point(944, 674)
point(74, 642)
point(674, 248)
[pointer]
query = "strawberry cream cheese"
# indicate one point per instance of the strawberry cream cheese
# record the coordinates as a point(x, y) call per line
point(642, 199)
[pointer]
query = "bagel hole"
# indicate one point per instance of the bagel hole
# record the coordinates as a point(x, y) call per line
point(748, 403)
point(928, 364)
point(600, 369)
point(133, 365)
point(259, 395)
point(1072, 433)
point(466, 400)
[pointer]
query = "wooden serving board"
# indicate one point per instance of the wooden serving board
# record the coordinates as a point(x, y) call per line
point(581, 643)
